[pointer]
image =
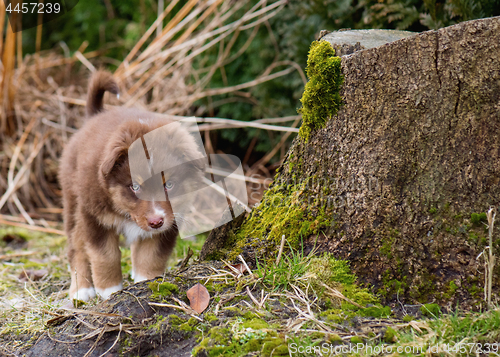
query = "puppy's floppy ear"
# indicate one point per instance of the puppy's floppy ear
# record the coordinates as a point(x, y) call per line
point(117, 149)
point(112, 157)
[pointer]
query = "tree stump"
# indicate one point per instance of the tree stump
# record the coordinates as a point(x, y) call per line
point(396, 181)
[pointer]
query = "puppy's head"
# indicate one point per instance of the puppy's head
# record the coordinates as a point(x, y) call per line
point(149, 169)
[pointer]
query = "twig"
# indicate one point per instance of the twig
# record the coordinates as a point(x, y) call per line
point(113, 345)
point(239, 123)
point(218, 91)
point(262, 299)
point(85, 61)
point(246, 266)
point(490, 261)
point(92, 348)
point(32, 228)
point(338, 294)
point(135, 297)
point(236, 271)
point(14, 255)
point(58, 126)
point(186, 259)
point(146, 35)
point(281, 249)
point(182, 307)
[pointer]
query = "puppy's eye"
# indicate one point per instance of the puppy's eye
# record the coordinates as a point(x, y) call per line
point(135, 187)
point(169, 185)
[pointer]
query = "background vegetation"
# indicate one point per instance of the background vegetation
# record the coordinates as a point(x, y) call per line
point(119, 24)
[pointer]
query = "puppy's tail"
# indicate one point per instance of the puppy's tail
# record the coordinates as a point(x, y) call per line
point(100, 82)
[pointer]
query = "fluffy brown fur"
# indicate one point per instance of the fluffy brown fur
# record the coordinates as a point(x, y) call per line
point(100, 202)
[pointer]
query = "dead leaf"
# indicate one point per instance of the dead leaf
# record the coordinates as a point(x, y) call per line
point(199, 298)
point(240, 267)
point(32, 275)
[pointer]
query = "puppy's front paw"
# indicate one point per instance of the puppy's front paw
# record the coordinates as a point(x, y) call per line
point(137, 277)
point(84, 294)
point(106, 293)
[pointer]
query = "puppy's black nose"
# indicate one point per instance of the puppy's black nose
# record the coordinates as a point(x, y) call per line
point(156, 222)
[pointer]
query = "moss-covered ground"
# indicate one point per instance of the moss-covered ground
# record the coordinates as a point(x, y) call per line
point(301, 305)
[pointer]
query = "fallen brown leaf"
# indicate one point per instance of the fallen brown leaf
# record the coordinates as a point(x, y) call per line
point(199, 298)
point(240, 267)
point(32, 275)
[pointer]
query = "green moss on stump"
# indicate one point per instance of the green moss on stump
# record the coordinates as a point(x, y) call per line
point(209, 317)
point(328, 270)
point(284, 210)
point(408, 318)
point(321, 99)
point(175, 320)
point(160, 320)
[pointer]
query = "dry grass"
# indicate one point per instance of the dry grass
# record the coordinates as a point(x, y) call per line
point(33, 281)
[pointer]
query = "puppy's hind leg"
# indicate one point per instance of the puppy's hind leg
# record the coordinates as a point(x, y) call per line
point(150, 255)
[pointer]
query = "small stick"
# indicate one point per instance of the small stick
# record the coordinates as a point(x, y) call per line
point(246, 266)
point(236, 271)
point(113, 345)
point(32, 228)
point(21, 254)
point(58, 126)
point(222, 192)
point(186, 259)
point(338, 294)
point(50, 210)
point(491, 258)
point(253, 299)
point(281, 249)
point(85, 61)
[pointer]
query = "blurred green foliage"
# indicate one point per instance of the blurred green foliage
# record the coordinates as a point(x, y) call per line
point(286, 37)
point(118, 25)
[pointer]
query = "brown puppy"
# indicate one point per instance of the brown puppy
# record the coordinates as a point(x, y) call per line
point(101, 200)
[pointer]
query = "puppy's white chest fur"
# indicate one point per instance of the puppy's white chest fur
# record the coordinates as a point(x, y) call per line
point(133, 232)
